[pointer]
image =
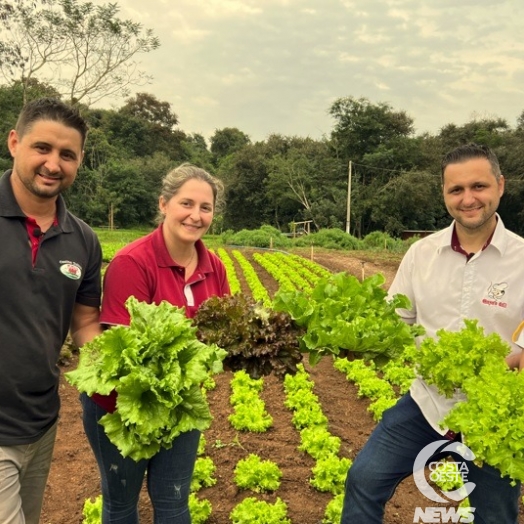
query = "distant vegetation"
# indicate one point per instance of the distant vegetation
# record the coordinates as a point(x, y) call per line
point(267, 237)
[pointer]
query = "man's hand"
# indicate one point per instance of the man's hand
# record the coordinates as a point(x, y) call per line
point(515, 361)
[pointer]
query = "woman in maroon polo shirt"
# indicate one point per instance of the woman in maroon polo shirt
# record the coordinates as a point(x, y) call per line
point(172, 264)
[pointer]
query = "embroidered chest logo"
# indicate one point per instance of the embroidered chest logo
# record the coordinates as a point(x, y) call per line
point(70, 269)
point(495, 293)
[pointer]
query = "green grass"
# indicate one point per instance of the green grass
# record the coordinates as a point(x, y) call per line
point(112, 240)
point(120, 236)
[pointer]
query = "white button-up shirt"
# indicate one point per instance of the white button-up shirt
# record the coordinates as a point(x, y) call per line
point(445, 288)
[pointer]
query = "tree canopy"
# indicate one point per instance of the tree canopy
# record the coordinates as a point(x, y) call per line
point(395, 175)
point(85, 51)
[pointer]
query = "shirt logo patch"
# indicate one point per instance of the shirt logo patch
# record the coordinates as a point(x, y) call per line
point(70, 269)
point(495, 293)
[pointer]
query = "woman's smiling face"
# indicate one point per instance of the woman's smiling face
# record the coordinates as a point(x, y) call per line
point(189, 212)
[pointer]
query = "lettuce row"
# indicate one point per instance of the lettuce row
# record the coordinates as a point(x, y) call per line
point(249, 410)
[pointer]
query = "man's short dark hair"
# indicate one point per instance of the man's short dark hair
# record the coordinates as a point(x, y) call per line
point(469, 152)
point(50, 109)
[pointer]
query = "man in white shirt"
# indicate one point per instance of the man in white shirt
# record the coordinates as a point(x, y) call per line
point(471, 270)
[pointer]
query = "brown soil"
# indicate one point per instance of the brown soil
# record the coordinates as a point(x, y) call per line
point(74, 474)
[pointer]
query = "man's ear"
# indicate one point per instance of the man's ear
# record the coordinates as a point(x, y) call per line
point(12, 141)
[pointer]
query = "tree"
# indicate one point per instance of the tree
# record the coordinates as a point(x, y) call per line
point(361, 127)
point(305, 183)
point(243, 174)
point(412, 200)
point(487, 131)
point(226, 141)
point(196, 151)
point(85, 51)
point(147, 107)
point(136, 136)
point(520, 123)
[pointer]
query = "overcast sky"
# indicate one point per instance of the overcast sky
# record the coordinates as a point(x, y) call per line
point(276, 66)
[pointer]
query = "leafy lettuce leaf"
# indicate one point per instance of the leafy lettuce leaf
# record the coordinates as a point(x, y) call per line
point(156, 365)
point(344, 315)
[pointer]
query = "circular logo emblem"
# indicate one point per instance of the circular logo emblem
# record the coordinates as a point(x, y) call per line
point(425, 455)
point(71, 271)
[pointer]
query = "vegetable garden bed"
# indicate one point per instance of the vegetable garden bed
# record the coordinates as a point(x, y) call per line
point(74, 475)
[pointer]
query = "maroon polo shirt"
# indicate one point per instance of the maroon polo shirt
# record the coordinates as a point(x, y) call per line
point(144, 269)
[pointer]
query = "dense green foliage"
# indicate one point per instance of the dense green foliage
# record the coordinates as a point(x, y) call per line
point(395, 175)
point(344, 315)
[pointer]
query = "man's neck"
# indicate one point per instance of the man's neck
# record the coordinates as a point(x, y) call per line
point(473, 241)
point(30, 204)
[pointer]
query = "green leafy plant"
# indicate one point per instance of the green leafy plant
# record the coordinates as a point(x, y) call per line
point(257, 475)
point(333, 511)
point(318, 442)
point(491, 420)
point(199, 509)
point(344, 315)
point(369, 384)
point(253, 511)
point(203, 474)
point(491, 415)
point(156, 365)
point(249, 410)
point(454, 356)
point(92, 511)
point(329, 474)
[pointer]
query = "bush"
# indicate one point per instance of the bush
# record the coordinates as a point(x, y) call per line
point(329, 239)
point(379, 240)
point(266, 236)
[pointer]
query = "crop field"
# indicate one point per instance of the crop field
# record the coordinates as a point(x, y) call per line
point(284, 458)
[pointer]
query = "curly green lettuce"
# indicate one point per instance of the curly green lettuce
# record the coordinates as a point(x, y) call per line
point(156, 365)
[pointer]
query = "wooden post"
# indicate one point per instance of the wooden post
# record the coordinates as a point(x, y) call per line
point(348, 207)
point(111, 216)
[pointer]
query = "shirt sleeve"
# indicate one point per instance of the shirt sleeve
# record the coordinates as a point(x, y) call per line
point(403, 284)
point(123, 278)
point(89, 292)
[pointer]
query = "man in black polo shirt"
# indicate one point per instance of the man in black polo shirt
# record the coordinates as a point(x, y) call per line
point(49, 284)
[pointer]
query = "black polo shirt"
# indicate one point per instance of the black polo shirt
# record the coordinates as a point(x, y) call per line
point(36, 305)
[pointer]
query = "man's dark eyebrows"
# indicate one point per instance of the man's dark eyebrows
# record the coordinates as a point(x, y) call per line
point(40, 143)
point(43, 143)
point(455, 186)
point(69, 152)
